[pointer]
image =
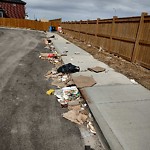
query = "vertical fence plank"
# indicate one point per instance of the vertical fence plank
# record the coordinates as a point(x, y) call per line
point(80, 31)
point(112, 33)
point(86, 37)
point(96, 32)
point(136, 46)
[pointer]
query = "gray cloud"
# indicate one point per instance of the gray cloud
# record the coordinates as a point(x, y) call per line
point(85, 9)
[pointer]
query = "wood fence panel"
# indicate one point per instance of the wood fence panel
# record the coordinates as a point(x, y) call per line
point(143, 56)
point(91, 31)
point(143, 53)
point(104, 28)
point(103, 42)
point(83, 30)
point(126, 37)
point(29, 24)
point(104, 32)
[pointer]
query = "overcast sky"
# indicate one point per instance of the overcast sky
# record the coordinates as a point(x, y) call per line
point(70, 10)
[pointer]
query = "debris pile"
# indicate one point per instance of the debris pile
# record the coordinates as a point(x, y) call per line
point(67, 92)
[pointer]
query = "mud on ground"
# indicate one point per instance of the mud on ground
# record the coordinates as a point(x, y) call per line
point(132, 71)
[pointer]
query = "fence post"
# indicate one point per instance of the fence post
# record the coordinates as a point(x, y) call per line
point(80, 31)
point(96, 32)
point(112, 32)
point(86, 39)
point(136, 45)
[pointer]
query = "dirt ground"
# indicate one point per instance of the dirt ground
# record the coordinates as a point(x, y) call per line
point(132, 71)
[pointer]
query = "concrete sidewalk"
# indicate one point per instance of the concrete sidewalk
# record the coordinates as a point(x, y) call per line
point(120, 107)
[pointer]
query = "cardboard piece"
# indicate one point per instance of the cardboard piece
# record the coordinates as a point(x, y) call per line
point(77, 107)
point(97, 69)
point(84, 81)
point(75, 116)
point(58, 83)
point(74, 102)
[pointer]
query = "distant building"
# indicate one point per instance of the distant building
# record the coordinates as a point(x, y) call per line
point(12, 9)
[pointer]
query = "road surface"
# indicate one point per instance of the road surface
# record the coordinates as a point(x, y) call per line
point(29, 119)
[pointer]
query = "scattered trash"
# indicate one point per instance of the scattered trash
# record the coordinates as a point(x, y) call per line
point(64, 105)
point(46, 47)
point(58, 83)
point(74, 103)
point(50, 92)
point(77, 107)
point(83, 81)
point(68, 68)
point(64, 78)
point(133, 81)
point(97, 69)
point(75, 116)
point(49, 41)
point(89, 45)
point(45, 41)
point(100, 49)
point(53, 36)
point(60, 29)
point(50, 55)
point(87, 147)
point(64, 52)
point(47, 55)
point(70, 93)
point(91, 128)
point(59, 94)
point(70, 83)
point(77, 53)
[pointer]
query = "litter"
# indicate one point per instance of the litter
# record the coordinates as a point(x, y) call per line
point(64, 78)
point(91, 128)
point(47, 55)
point(89, 45)
point(58, 83)
point(70, 93)
point(70, 83)
point(75, 116)
point(74, 103)
point(64, 105)
point(45, 41)
point(97, 69)
point(68, 68)
point(77, 107)
point(53, 36)
point(50, 91)
point(46, 47)
point(49, 41)
point(59, 94)
point(83, 81)
point(50, 55)
point(133, 81)
point(77, 53)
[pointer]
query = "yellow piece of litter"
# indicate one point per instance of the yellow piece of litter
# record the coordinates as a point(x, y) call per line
point(50, 91)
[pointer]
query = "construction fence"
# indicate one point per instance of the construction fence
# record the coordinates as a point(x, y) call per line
point(29, 24)
point(125, 37)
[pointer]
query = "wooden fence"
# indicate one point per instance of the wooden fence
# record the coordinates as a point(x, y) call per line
point(125, 37)
point(29, 24)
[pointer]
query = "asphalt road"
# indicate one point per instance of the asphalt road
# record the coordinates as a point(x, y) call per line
point(29, 119)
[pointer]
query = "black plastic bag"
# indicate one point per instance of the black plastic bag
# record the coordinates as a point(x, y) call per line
point(68, 68)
